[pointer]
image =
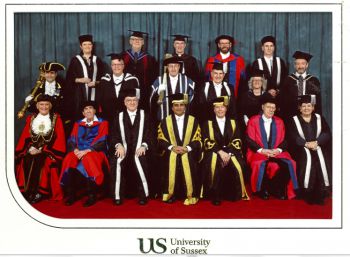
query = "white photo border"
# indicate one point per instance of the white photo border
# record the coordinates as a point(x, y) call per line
point(126, 230)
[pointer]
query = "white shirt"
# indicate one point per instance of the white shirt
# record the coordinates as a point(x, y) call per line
point(50, 88)
point(180, 124)
point(224, 56)
point(90, 122)
point(221, 123)
point(267, 125)
point(217, 88)
point(173, 83)
point(132, 116)
point(304, 76)
point(117, 81)
point(269, 63)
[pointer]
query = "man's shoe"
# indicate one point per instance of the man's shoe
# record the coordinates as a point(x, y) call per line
point(264, 195)
point(69, 201)
point(118, 202)
point(90, 201)
point(171, 200)
point(282, 195)
point(143, 201)
point(37, 198)
point(216, 202)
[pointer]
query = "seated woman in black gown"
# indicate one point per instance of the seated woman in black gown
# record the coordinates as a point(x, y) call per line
point(310, 143)
point(249, 103)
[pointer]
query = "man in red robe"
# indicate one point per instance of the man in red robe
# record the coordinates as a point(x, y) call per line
point(234, 67)
point(87, 147)
point(39, 153)
point(273, 169)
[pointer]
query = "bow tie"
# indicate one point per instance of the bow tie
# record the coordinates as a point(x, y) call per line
point(268, 120)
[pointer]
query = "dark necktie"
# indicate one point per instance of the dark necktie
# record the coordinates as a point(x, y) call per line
point(135, 57)
point(300, 85)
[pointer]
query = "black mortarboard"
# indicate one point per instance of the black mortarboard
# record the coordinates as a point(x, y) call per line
point(302, 55)
point(173, 59)
point(221, 100)
point(136, 33)
point(116, 56)
point(52, 66)
point(132, 92)
point(267, 98)
point(179, 37)
point(304, 99)
point(217, 65)
point(44, 98)
point(225, 37)
point(89, 103)
point(268, 39)
point(84, 38)
point(257, 73)
point(179, 98)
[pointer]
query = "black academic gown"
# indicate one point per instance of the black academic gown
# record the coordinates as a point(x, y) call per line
point(145, 68)
point(180, 176)
point(289, 95)
point(190, 68)
point(272, 82)
point(134, 178)
point(110, 104)
point(205, 105)
point(223, 182)
point(313, 180)
point(75, 70)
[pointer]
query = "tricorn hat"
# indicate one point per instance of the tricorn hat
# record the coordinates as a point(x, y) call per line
point(52, 66)
point(44, 98)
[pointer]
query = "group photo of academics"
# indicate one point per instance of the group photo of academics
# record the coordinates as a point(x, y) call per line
point(174, 115)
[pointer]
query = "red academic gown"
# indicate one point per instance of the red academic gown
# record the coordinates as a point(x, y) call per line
point(94, 163)
point(236, 69)
point(259, 162)
point(40, 173)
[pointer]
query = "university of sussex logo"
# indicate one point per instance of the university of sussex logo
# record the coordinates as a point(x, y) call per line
point(153, 245)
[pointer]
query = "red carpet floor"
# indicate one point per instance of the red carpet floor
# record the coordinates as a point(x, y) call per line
point(256, 208)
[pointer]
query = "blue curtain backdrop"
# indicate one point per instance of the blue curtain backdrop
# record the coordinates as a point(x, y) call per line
point(41, 37)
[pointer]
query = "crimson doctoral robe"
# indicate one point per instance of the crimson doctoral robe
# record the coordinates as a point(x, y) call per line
point(258, 162)
point(94, 163)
